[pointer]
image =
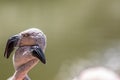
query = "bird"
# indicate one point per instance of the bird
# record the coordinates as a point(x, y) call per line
point(30, 47)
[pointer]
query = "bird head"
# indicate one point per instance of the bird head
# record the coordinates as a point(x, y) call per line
point(29, 37)
point(31, 45)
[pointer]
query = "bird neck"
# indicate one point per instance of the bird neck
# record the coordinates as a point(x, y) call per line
point(21, 71)
point(19, 76)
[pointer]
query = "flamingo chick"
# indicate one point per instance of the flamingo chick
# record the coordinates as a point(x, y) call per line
point(31, 46)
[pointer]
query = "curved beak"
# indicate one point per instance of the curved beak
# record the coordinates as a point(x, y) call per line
point(11, 43)
point(37, 52)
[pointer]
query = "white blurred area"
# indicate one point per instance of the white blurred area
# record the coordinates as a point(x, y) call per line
point(102, 65)
point(97, 73)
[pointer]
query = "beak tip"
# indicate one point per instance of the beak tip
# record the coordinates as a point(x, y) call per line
point(43, 61)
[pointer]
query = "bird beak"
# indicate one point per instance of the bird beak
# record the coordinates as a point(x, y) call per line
point(11, 43)
point(37, 52)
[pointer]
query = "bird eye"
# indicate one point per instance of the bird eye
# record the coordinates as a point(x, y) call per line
point(26, 35)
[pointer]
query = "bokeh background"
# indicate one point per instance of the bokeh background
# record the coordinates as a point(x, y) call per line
point(74, 29)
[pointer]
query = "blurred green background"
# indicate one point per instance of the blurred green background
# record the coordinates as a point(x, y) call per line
point(74, 28)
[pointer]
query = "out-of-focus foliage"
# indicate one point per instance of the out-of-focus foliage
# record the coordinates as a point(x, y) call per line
point(73, 28)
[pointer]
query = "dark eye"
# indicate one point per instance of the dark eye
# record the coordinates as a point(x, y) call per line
point(26, 35)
